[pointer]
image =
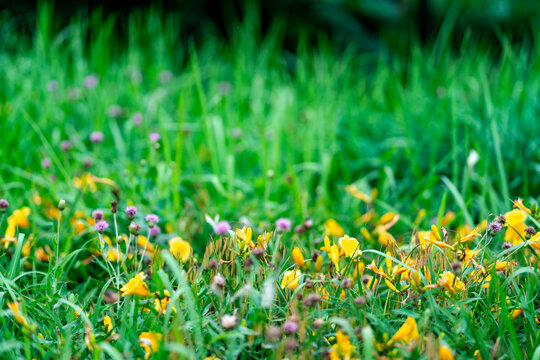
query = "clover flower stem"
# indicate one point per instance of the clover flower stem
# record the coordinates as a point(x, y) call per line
point(2, 219)
point(144, 251)
point(127, 249)
point(117, 258)
point(58, 237)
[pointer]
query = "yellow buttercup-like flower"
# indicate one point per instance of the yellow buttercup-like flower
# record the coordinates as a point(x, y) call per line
point(19, 218)
point(406, 333)
point(451, 282)
point(343, 348)
point(350, 246)
point(515, 232)
point(161, 302)
point(17, 315)
point(143, 242)
point(9, 237)
point(445, 353)
point(297, 256)
point(291, 279)
point(180, 249)
point(150, 342)
point(332, 228)
point(107, 323)
point(136, 286)
point(243, 236)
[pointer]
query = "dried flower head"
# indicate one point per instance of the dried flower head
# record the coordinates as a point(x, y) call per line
point(4, 204)
point(229, 321)
point(506, 245)
point(290, 326)
point(134, 228)
point(97, 214)
point(273, 333)
point(312, 299)
point(218, 283)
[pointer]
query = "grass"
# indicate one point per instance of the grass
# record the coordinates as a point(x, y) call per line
point(250, 130)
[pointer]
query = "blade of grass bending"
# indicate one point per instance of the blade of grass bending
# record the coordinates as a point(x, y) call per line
point(459, 200)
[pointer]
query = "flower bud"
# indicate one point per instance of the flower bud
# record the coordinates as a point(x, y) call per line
point(61, 205)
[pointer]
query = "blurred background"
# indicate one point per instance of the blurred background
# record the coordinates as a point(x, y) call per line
point(271, 108)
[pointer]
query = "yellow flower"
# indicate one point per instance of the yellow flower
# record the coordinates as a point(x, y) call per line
point(406, 333)
point(377, 270)
point(435, 239)
point(519, 203)
point(27, 247)
point(357, 269)
point(515, 232)
point(343, 348)
point(136, 286)
point(387, 218)
point(19, 218)
point(150, 341)
point(161, 304)
point(243, 237)
point(516, 313)
point(9, 237)
point(42, 255)
point(448, 218)
point(298, 257)
point(17, 315)
point(291, 279)
point(353, 190)
point(334, 256)
point(107, 323)
point(85, 182)
point(445, 353)
point(502, 265)
point(264, 239)
point(422, 238)
point(114, 255)
point(350, 246)
point(451, 282)
point(143, 242)
point(385, 238)
point(212, 357)
point(332, 228)
point(180, 249)
point(471, 235)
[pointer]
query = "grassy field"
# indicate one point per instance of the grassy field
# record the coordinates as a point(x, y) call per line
point(313, 203)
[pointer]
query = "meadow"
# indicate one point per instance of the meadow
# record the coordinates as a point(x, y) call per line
point(210, 199)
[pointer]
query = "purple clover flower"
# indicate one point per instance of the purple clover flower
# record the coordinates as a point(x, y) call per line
point(154, 137)
point(65, 145)
point(91, 81)
point(101, 226)
point(97, 215)
point(283, 224)
point(96, 137)
point(4, 204)
point(222, 227)
point(154, 231)
point(114, 111)
point(131, 211)
point(52, 86)
point(290, 326)
point(151, 218)
point(494, 226)
point(137, 118)
point(46, 163)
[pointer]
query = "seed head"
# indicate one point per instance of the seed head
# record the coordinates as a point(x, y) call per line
point(501, 219)
point(273, 333)
point(346, 283)
point(229, 321)
point(360, 301)
point(529, 231)
point(456, 266)
point(62, 205)
point(312, 299)
point(506, 246)
point(110, 297)
point(318, 323)
point(114, 207)
point(258, 252)
point(218, 283)
point(213, 264)
point(290, 326)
